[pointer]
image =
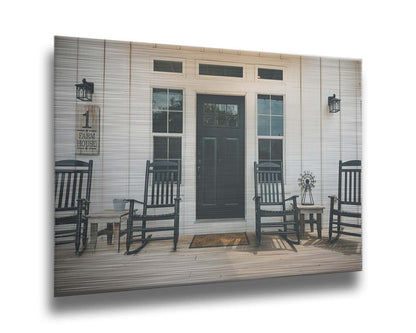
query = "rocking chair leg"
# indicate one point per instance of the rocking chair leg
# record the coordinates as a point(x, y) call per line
point(145, 241)
point(175, 235)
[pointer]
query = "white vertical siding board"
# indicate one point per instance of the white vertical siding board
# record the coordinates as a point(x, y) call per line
point(313, 140)
point(116, 122)
point(358, 102)
point(292, 129)
point(311, 122)
point(65, 71)
point(251, 156)
point(348, 110)
point(90, 67)
point(188, 189)
point(140, 123)
point(330, 132)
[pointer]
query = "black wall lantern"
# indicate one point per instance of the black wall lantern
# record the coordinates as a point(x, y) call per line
point(334, 104)
point(85, 90)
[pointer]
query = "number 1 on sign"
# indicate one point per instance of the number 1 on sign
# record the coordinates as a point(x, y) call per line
point(87, 119)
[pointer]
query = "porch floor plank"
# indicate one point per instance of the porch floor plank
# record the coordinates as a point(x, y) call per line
point(103, 269)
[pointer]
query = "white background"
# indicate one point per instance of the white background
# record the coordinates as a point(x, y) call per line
point(379, 299)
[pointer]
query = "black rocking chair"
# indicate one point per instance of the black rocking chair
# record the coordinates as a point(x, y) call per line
point(72, 200)
point(161, 193)
point(270, 193)
point(349, 194)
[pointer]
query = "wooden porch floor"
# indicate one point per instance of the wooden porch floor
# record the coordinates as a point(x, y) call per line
point(103, 269)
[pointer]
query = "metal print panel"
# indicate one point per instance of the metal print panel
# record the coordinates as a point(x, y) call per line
point(179, 165)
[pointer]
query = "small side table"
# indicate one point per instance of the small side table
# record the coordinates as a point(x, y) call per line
point(112, 219)
point(311, 210)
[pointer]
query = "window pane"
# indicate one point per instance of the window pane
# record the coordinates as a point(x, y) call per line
point(175, 100)
point(160, 100)
point(264, 150)
point(277, 125)
point(160, 121)
point(263, 104)
point(263, 125)
point(276, 150)
point(232, 109)
point(217, 70)
point(221, 119)
point(277, 105)
point(175, 122)
point(160, 148)
point(167, 66)
point(270, 74)
point(175, 149)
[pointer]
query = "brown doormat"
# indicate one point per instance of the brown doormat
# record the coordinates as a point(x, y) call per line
point(216, 240)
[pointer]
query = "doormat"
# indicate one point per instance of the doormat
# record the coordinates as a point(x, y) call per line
point(218, 240)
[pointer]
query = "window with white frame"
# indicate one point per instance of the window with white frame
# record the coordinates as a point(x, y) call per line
point(167, 110)
point(270, 128)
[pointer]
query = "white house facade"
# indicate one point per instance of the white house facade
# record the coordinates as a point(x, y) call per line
point(205, 107)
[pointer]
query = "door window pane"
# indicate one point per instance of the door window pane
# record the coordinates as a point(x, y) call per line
point(220, 115)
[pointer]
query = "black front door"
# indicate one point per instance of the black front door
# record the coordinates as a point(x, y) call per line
point(220, 157)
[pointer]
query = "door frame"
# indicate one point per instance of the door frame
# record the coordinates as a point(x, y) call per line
point(244, 152)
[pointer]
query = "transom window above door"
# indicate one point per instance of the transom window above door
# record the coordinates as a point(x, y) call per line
point(167, 107)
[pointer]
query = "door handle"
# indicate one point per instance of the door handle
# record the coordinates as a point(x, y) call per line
point(198, 169)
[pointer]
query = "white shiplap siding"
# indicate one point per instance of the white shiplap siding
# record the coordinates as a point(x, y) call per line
point(123, 78)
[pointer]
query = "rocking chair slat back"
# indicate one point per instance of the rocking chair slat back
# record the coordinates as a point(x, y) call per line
point(268, 184)
point(349, 183)
point(163, 180)
point(69, 177)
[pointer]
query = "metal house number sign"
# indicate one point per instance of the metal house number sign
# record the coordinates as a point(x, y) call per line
point(87, 131)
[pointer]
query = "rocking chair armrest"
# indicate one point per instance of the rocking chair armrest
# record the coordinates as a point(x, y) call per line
point(82, 204)
point(256, 197)
point(293, 197)
point(333, 198)
point(133, 200)
point(83, 200)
